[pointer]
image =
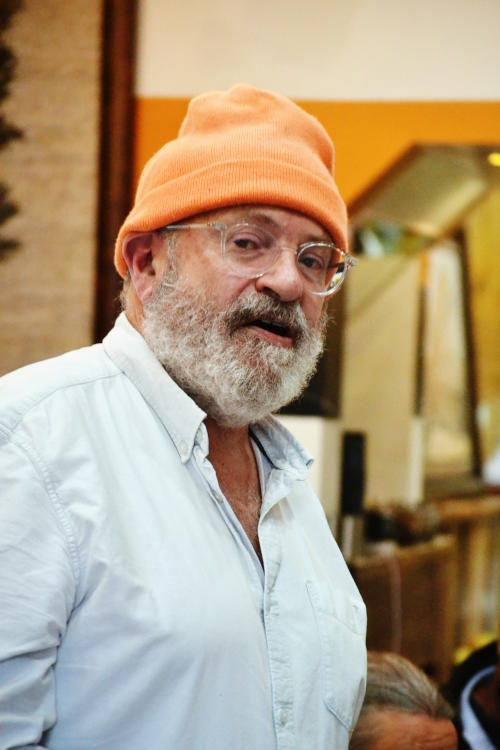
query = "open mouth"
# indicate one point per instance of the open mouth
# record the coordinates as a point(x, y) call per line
point(269, 325)
point(273, 326)
point(277, 323)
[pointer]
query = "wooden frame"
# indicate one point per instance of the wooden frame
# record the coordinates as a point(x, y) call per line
point(119, 18)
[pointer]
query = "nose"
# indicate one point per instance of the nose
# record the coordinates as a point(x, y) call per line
point(283, 280)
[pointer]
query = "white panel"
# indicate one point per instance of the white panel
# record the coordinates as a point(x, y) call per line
point(323, 49)
point(321, 437)
point(379, 376)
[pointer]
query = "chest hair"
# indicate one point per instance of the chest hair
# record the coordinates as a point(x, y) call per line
point(243, 494)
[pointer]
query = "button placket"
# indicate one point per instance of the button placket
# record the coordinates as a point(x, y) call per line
point(279, 659)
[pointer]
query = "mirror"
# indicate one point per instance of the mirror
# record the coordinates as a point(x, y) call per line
point(423, 211)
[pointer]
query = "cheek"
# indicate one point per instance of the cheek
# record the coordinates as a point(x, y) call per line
point(210, 277)
point(230, 287)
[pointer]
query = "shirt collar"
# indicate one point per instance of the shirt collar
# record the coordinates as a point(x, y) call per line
point(177, 411)
point(281, 448)
point(181, 415)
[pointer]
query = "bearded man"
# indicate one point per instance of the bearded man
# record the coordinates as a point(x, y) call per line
point(169, 580)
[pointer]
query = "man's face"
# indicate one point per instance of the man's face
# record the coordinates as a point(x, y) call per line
point(202, 266)
point(240, 347)
point(398, 730)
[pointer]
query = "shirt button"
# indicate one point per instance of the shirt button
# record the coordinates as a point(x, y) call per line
point(283, 717)
point(199, 435)
point(183, 447)
point(219, 497)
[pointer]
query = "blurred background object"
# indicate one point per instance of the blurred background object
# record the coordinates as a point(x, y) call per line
point(8, 131)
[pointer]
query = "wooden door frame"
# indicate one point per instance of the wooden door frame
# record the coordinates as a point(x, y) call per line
point(116, 142)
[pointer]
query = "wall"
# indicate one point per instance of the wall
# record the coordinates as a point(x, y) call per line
point(379, 369)
point(325, 49)
point(47, 287)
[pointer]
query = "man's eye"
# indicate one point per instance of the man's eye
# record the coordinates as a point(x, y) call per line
point(311, 262)
point(246, 243)
point(315, 262)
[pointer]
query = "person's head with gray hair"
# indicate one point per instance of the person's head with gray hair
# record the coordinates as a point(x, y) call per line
point(402, 710)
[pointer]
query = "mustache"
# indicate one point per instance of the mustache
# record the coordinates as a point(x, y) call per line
point(289, 314)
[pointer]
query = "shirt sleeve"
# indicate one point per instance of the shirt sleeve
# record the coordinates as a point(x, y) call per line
point(37, 590)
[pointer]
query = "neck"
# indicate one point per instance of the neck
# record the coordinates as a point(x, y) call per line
point(133, 310)
point(232, 456)
point(227, 440)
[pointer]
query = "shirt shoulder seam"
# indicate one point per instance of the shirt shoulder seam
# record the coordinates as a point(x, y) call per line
point(42, 470)
point(8, 431)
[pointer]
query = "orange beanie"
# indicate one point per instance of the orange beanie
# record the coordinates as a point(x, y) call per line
point(234, 147)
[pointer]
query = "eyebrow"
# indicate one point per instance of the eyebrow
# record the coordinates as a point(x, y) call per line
point(256, 214)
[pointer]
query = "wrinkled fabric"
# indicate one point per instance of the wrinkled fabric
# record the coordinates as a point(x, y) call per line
point(135, 613)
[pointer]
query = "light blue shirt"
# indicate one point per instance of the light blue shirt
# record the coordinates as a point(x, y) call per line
point(471, 727)
point(134, 611)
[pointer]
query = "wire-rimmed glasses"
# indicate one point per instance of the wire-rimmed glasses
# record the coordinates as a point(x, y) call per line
point(251, 251)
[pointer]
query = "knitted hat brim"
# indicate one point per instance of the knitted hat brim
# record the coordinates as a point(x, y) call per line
point(252, 181)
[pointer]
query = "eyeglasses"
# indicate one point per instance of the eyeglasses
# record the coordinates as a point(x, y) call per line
point(252, 251)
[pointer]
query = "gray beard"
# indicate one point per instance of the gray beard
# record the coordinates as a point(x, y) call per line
point(234, 376)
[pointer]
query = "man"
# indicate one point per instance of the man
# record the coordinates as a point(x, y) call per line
point(474, 689)
point(402, 710)
point(168, 577)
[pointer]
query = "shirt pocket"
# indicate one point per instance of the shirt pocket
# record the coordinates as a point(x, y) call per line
point(341, 624)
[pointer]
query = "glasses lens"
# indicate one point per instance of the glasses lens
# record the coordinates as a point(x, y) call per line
point(322, 266)
point(250, 249)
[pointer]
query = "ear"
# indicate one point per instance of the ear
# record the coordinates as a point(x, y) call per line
point(140, 251)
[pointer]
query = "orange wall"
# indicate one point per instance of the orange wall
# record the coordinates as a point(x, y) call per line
point(369, 136)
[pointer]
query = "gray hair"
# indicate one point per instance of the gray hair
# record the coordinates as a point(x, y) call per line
point(395, 684)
